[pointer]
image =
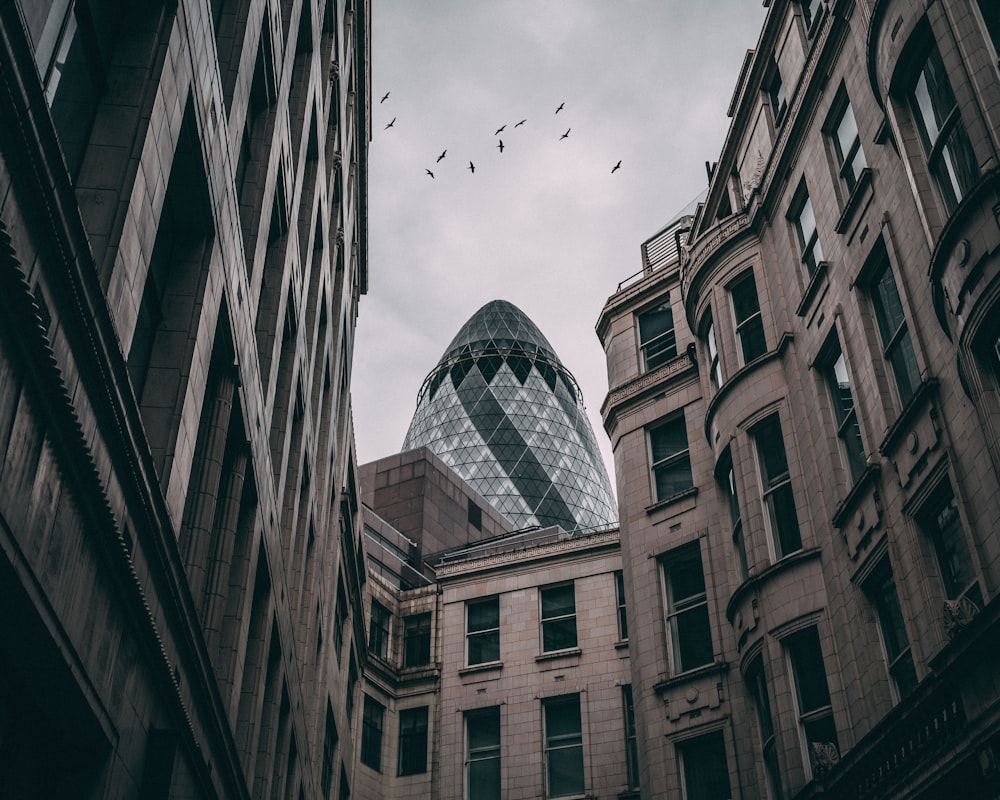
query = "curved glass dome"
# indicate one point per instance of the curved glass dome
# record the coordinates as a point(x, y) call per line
point(503, 412)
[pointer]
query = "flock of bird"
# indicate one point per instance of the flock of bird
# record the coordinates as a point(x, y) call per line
point(496, 133)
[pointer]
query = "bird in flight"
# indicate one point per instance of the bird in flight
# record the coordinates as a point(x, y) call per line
point(429, 172)
point(500, 145)
point(616, 167)
point(441, 156)
point(519, 124)
point(391, 123)
point(384, 97)
point(565, 134)
point(561, 105)
point(472, 167)
point(498, 131)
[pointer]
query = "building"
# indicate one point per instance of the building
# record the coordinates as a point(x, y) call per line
point(803, 409)
point(498, 646)
point(498, 666)
point(183, 246)
point(503, 412)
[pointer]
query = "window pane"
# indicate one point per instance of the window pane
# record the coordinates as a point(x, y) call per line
point(483, 732)
point(656, 335)
point(668, 439)
point(413, 741)
point(706, 772)
point(557, 601)
point(484, 615)
point(416, 640)
point(559, 634)
point(692, 638)
point(943, 524)
point(771, 451)
point(810, 671)
point(564, 745)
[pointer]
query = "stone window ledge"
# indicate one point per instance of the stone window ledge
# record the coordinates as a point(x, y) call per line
point(569, 652)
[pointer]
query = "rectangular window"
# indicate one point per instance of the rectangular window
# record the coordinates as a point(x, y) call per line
point(631, 747)
point(340, 618)
point(950, 158)
point(776, 96)
point(378, 637)
point(897, 347)
point(657, 340)
point(483, 630)
point(372, 719)
point(779, 501)
point(749, 326)
point(727, 477)
point(847, 146)
point(563, 745)
point(804, 220)
point(671, 458)
point(881, 590)
point(714, 366)
point(703, 763)
point(413, 741)
point(765, 726)
point(482, 766)
point(558, 617)
point(620, 597)
point(416, 640)
point(844, 413)
point(812, 700)
point(475, 515)
point(940, 520)
point(330, 740)
point(688, 629)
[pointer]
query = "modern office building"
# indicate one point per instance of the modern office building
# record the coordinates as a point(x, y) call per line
point(503, 412)
point(182, 250)
point(803, 404)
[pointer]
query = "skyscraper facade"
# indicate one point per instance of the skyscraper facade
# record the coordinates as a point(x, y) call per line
point(182, 251)
point(503, 412)
point(803, 406)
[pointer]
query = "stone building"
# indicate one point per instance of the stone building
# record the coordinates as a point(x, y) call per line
point(498, 647)
point(183, 247)
point(803, 404)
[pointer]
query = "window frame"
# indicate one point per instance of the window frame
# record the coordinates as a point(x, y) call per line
point(837, 377)
point(415, 631)
point(715, 378)
point(802, 667)
point(622, 610)
point(380, 633)
point(880, 589)
point(809, 243)
point(741, 290)
point(895, 344)
point(664, 344)
point(372, 732)
point(475, 757)
point(680, 610)
point(850, 161)
point(631, 738)
point(413, 738)
point(674, 461)
point(707, 742)
point(948, 146)
point(569, 743)
point(774, 486)
point(488, 634)
point(556, 621)
point(950, 544)
point(726, 477)
point(756, 677)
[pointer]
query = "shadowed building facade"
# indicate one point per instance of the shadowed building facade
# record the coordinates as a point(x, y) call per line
point(182, 252)
point(803, 405)
point(503, 412)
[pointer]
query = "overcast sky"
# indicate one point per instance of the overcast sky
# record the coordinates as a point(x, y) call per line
point(544, 224)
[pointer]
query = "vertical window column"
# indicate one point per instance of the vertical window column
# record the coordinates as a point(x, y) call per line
point(372, 720)
point(765, 726)
point(897, 346)
point(688, 627)
point(563, 746)
point(483, 631)
point(417, 640)
point(845, 415)
point(657, 340)
point(671, 459)
point(749, 326)
point(482, 763)
point(812, 700)
point(705, 768)
point(881, 590)
point(779, 501)
point(558, 617)
point(631, 744)
point(413, 741)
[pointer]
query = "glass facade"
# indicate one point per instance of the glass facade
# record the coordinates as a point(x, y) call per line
point(503, 412)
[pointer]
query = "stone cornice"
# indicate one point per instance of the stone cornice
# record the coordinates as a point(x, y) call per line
point(530, 553)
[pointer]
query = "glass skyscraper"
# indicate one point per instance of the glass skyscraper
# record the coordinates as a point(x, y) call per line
point(503, 412)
